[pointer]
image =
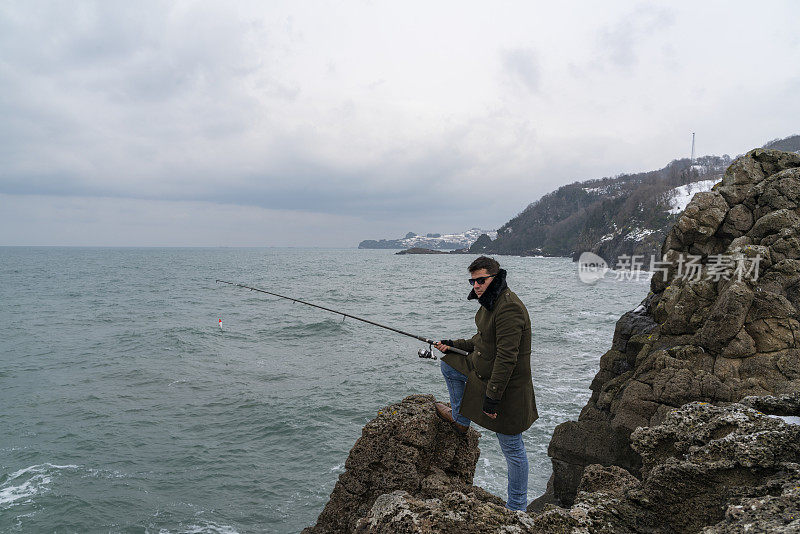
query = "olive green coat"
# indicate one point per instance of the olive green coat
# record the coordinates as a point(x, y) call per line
point(499, 364)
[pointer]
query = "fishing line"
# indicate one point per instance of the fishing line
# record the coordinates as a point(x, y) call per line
point(422, 353)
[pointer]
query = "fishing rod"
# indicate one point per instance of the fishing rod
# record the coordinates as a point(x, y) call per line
point(422, 353)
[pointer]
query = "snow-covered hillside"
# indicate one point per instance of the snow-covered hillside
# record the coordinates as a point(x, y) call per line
point(680, 197)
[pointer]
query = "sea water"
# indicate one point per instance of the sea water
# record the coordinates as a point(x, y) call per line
point(126, 408)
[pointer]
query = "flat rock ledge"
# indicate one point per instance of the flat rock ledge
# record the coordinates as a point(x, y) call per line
point(705, 468)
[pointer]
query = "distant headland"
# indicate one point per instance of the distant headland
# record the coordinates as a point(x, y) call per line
point(417, 250)
point(626, 215)
point(463, 240)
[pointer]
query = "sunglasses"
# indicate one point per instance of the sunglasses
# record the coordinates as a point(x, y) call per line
point(480, 280)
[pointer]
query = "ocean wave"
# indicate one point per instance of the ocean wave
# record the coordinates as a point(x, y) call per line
point(328, 326)
point(581, 335)
point(105, 473)
point(204, 527)
point(162, 402)
point(17, 486)
point(486, 475)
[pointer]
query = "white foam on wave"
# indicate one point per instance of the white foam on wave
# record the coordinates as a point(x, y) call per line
point(105, 473)
point(581, 334)
point(12, 494)
point(18, 487)
point(208, 527)
point(486, 475)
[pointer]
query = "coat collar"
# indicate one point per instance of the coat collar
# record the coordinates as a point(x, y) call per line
point(489, 297)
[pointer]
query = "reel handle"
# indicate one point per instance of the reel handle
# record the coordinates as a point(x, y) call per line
point(428, 353)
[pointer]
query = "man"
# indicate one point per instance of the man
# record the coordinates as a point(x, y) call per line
point(492, 386)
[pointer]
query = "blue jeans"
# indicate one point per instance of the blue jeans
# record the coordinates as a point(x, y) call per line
point(517, 462)
point(456, 383)
point(511, 444)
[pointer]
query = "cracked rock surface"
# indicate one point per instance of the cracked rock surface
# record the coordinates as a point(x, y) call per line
point(706, 468)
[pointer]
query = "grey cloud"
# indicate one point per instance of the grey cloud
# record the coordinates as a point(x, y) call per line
point(399, 186)
point(522, 67)
point(54, 38)
point(127, 53)
point(619, 43)
point(101, 91)
point(149, 108)
point(253, 107)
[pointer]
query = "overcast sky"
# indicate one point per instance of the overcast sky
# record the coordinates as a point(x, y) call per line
point(324, 123)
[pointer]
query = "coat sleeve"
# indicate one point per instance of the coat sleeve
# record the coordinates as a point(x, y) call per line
point(509, 323)
point(464, 344)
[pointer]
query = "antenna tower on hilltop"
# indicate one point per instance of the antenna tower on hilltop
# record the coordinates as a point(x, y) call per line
point(692, 148)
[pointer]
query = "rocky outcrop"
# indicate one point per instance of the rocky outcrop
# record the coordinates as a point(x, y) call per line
point(635, 243)
point(706, 468)
point(715, 469)
point(720, 323)
point(406, 448)
point(455, 512)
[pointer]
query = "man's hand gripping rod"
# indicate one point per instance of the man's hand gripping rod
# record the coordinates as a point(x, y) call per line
point(422, 353)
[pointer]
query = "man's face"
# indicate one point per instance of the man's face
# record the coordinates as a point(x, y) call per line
point(481, 274)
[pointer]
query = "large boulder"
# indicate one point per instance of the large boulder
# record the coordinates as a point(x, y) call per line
point(406, 448)
point(706, 468)
point(721, 321)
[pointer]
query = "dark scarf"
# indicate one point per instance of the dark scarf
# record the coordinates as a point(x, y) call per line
point(489, 297)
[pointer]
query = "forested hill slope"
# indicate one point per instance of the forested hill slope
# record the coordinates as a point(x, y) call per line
point(788, 144)
point(628, 214)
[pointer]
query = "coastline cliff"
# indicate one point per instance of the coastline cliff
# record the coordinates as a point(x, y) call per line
point(693, 420)
point(707, 335)
point(612, 217)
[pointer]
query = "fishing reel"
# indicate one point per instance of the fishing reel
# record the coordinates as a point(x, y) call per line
point(427, 353)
